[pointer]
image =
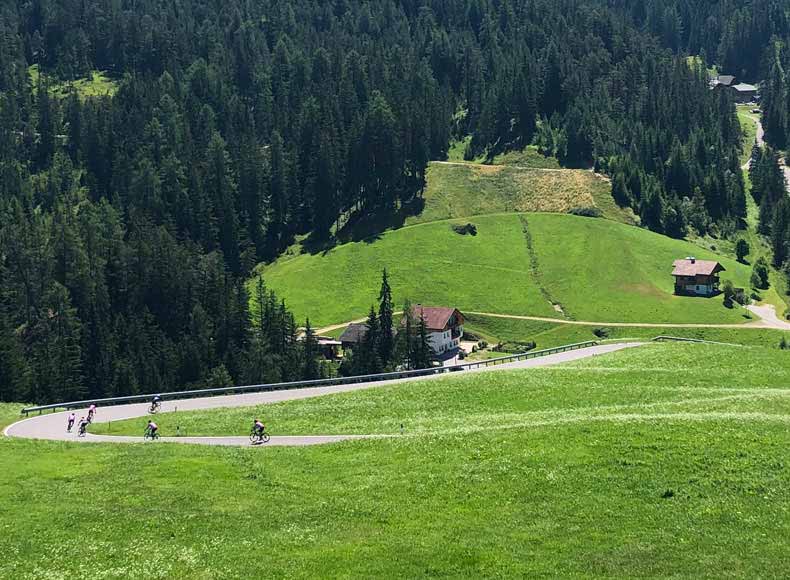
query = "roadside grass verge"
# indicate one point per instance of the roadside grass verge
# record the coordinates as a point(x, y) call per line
point(9, 413)
point(663, 461)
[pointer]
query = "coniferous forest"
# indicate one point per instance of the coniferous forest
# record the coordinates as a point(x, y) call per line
point(129, 222)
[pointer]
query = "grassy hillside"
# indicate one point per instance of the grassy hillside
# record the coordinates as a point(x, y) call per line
point(608, 272)
point(548, 334)
point(662, 461)
point(597, 270)
point(461, 190)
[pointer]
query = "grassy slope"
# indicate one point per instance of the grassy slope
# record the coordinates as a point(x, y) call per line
point(608, 272)
point(599, 270)
point(429, 263)
point(661, 461)
point(547, 334)
point(466, 190)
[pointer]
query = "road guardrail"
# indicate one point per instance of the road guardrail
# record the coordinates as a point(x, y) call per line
point(311, 383)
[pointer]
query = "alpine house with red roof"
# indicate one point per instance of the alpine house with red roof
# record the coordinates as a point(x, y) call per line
point(445, 326)
point(696, 277)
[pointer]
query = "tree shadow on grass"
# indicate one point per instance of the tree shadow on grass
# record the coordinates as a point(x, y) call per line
point(368, 228)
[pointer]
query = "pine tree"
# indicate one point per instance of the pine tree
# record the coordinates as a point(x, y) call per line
point(423, 352)
point(742, 249)
point(405, 342)
point(386, 342)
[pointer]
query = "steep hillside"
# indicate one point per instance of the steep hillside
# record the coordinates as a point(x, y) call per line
point(526, 264)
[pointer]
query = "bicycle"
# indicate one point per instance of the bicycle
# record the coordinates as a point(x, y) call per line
point(259, 437)
point(150, 436)
point(82, 431)
point(154, 407)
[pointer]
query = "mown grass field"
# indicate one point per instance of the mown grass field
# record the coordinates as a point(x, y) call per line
point(548, 334)
point(462, 190)
point(668, 460)
point(598, 270)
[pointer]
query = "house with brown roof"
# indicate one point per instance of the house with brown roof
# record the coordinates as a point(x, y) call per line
point(696, 277)
point(445, 326)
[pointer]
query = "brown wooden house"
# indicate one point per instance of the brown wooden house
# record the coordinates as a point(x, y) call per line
point(696, 277)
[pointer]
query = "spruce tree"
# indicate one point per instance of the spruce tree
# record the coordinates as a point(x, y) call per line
point(386, 342)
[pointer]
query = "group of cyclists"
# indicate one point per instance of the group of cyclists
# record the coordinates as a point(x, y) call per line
point(257, 434)
point(82, 425)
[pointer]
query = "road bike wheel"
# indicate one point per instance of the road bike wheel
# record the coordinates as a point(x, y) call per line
point(253, 438)
point(265, 437)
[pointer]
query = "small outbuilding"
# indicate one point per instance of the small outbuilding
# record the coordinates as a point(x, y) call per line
point(353, 335)
point(696, 277)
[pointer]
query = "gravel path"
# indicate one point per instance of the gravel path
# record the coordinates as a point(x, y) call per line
point(767, 319)
point(52, 426)
point(768, 316)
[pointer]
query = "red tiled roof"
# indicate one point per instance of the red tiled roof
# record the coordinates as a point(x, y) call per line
point(436, 317)
point(696, 268)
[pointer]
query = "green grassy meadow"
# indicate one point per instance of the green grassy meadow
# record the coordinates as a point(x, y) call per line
point(598, 270)
point(548, 334)
point(666, 460)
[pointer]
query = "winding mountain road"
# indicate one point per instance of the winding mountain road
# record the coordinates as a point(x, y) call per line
point(53, 426)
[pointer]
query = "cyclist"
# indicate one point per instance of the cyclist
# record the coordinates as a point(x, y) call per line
point(70, 423)
point(83, 426)
point(91, 412)
point(257, 427)
point(156, 403)
point(152, 428)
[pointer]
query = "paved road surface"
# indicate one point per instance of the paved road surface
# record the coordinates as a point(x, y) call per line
point(53, 426)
